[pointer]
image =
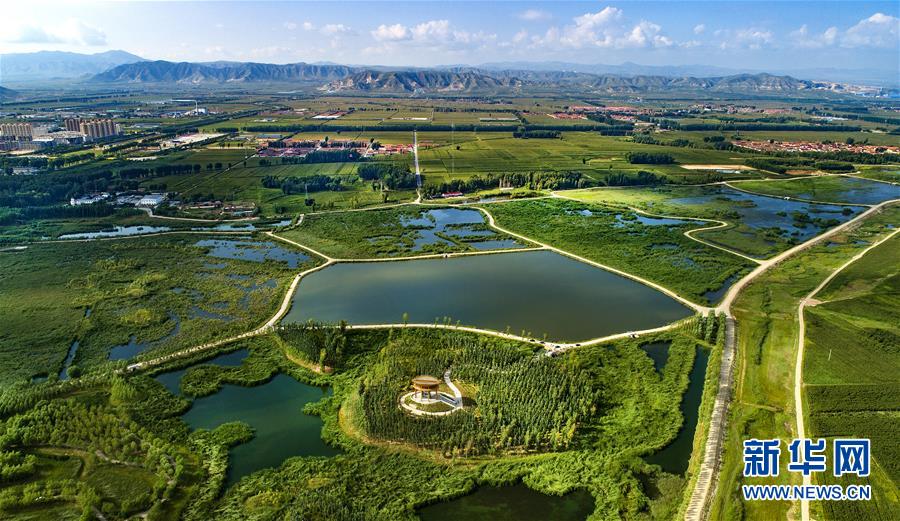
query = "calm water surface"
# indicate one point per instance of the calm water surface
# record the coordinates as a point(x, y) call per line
point(674, 457)
point(172, 379)
point(658, 352)
point(118, 231)
point(275, 411)
point(541, 292)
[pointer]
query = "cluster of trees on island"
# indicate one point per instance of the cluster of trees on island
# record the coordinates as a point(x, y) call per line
point(524, 403)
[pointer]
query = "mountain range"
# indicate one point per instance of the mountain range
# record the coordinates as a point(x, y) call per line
point(219, 72)
point(879, 77)
point(120, 67)
point(51, 65)
point(337, 78)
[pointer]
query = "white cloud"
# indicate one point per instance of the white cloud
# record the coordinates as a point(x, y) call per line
point(878, 30)
point(334, 29)
point(72, 31)
point(749, 38)
point(434, 34)
point(391, 33)
point(534, 15)
point(803, 39)
point(290, 26)
point(606, 29)
point(308, 26)
point(699, 28)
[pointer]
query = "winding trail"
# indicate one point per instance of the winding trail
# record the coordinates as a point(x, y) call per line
point(197, 219)
point(457, 396)
point(705, 485)
point(789, 198)
point(707, 477)
point(688, 234)
point(696, 307)
point(808, 300)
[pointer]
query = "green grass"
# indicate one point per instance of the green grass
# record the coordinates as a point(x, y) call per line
point(586, 152)
point(659, 253)
point(832, 189)
point(121, 483)
point(128, 285)
point(890, 174)
point(244, 184)
point(760, 240)
point(852, 340)
point(374, 234)
point(762, 406)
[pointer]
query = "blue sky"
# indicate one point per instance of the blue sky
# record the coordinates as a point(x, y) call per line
point(761, 35)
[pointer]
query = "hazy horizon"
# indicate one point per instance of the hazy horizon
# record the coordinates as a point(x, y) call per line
point(736, 35)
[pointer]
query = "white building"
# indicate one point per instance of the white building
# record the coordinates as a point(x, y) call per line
point(151, 200)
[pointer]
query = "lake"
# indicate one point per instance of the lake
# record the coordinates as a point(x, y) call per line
point(253, 251)
point(851, 190)
point(275, 411)
point(538, 291)
point(460, 224)
point(118, 231)
point(674, 457)
point(758, 211)
point(511, 503)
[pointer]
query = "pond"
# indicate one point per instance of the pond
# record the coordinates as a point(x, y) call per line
point(134, 348)
point(461, 224)
point(758, 211)
point(848, 190)
point(275, 412)
point(674, 457)
point(118, 231)
point(714, 296)
point(511, 503)
point(172, 379)
point(540, 292)
point(649, 221)
point(64, 372)
point(658, 352)
point(253, 251)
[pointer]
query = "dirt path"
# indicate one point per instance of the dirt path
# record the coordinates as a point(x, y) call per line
point(689, 234)
point(788, 198)
point(704, 488)
point(696, 307)
point(809, 300)
point(197, 219)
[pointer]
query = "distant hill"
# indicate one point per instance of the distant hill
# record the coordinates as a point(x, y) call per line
point(882, 77)
point(6, 94)
point(48, 65)
point(430, 80)
point(625, 69)
point(220, 72)
point(460, 79)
